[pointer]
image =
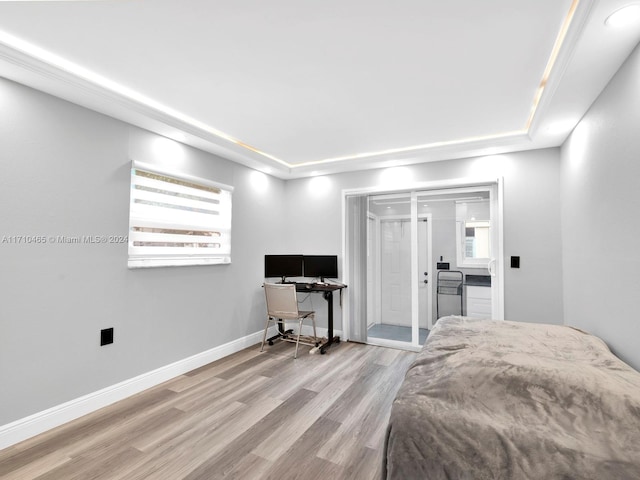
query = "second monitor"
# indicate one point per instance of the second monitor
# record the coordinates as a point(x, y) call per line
point(320, 266)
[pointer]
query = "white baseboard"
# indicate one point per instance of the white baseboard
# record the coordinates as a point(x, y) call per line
point(40, 422)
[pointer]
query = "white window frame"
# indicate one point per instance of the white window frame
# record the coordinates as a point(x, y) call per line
point(177, 219)
point(462, 260)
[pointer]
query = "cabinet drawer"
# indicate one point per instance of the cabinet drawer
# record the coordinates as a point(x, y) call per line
point(479, 305)
point(478, 302)
point(478, 292)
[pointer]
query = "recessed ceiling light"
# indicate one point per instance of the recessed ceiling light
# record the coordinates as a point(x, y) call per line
point(628, 15)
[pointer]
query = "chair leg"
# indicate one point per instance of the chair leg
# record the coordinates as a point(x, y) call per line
point(264, 337)
point(315, 335)
point(295, 355)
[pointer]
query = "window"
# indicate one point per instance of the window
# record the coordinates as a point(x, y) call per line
point(177, 220)
point(477, 239)
point(473, 233)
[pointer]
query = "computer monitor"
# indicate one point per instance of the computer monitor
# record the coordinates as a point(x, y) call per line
point(283, 266)
point(322, 266)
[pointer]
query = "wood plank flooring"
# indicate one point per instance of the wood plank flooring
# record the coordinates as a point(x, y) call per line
point(251, 415)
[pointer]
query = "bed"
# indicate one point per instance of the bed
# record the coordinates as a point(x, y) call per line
point(488, 399)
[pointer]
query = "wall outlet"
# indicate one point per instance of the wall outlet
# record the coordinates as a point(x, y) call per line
point(515, 262)
point(106, 336)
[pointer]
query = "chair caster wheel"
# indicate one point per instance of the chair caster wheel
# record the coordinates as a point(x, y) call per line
point(270, 342)
point(322, 352)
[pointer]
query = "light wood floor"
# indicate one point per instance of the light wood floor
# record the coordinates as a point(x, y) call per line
point(250, 416)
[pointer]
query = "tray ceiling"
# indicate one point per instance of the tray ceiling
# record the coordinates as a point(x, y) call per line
point(296, 88)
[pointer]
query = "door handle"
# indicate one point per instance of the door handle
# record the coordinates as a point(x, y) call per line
point(491, 267)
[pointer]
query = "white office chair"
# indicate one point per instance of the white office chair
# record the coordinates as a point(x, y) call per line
point(282, 306)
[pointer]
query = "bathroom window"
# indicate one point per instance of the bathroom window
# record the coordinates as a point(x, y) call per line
point(473, 233)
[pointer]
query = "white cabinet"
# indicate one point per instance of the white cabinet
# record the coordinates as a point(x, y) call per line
point(478, 301)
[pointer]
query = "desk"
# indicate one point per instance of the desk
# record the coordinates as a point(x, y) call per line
point(327, 290)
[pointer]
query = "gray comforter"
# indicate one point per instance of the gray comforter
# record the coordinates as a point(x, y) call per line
point(490, 399)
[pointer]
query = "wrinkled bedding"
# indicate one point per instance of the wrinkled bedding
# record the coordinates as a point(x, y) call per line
point(488, 399)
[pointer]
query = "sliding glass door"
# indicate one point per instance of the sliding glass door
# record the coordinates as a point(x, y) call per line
point(398, 268)
point(410, 246)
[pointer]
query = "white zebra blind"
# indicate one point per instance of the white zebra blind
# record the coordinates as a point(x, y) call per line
point(177, 220)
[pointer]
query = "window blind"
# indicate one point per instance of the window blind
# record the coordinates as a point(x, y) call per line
point(177, 220)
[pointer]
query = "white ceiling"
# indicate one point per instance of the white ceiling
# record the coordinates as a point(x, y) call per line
point(296, 87)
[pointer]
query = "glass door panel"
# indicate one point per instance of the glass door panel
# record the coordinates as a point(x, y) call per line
point(390, 277)
point(462, 247)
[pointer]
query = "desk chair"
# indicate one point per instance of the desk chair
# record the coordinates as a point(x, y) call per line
point(282, 306)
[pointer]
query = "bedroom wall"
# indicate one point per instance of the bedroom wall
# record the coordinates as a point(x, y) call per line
point(64, 170)
point(533, 293)
point(600, 205)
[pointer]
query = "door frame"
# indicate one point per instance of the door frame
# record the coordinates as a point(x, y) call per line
point(497, 212)
point(429, 218)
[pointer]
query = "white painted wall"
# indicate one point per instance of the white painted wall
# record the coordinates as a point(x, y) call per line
point(600, 205)
point(533, 293)
point(64, 170)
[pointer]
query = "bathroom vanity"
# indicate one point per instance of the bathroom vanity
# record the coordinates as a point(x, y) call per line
point(478, 296)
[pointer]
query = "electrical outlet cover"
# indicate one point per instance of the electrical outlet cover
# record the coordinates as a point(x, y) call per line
point(106, 336)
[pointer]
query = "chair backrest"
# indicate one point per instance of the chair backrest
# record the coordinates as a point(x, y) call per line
point(281, 300)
